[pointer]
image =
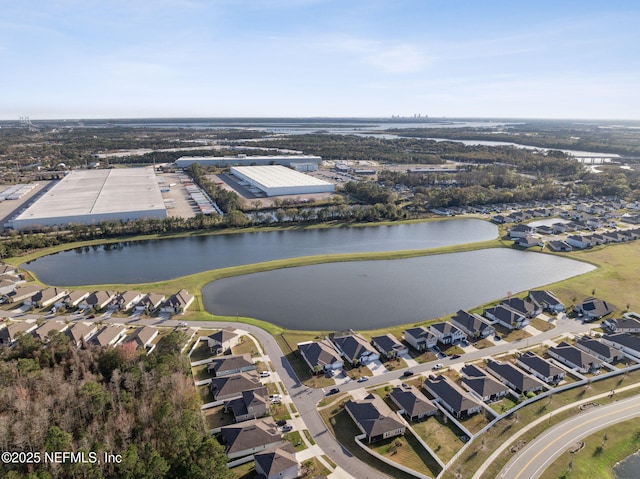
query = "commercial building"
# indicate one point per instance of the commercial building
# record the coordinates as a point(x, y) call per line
point(244, 160)
point(275, 180)
point(92, 196)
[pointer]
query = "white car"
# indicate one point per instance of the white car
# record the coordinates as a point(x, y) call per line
point(438, 366)
point(264, 374)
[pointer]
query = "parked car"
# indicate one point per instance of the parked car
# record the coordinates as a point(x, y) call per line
point(281, 422)
point(454, 356)
point(363, 379)
point(182, 324)
point(407, 373)
point(333, 391)
point(287, 428)
point(264, 374)
point(497, 338)
point(438, 366)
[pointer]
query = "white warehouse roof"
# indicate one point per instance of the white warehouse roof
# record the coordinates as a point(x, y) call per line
point(276, 180)
point(91, 196)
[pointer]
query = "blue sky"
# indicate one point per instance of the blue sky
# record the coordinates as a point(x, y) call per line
point(279, 58)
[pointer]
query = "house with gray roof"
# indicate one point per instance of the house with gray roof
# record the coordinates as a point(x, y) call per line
point(7, 286)
point(24, 293)
point(420, 338)
point(129, 299)
point(559, 246)
point(8, 269)
point(625, 324)
point(525, 308)
point(472, 325)
point(11, 332)
point(388, 345)
point(484, 387)
point(80, 333)
point(528, 241)
point(97, 300)
point(145, 335)
point(75, 297)
point(506, 316)
point(599, 350)
point(593, 308)
point(277, 463)
point(110, 335)
point(627, 343)
point(374, 418)
point(50, 327)
point(320, 356)
point(446, 333)
point(251, 404)
point(149, 303)
point(578, 241)
point(513, 377)
point(178, 303)
point(224, 388)
point(575, 358)
point(454, 399)
point(230, 365)
point(412, 403)
point(354, 348)
point(540, 368)
point(546, 300)
point(47, 297)
point(250, 437)
point(222, 341)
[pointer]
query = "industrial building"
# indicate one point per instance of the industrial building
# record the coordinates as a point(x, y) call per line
point(244, 160)
point(92, 196)
point(275, 180)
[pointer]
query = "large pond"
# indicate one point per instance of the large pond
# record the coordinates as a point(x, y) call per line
point(157, 260)
point(629, 468)
point(374, 294)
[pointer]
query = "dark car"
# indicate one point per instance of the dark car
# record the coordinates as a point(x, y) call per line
point(407, 374)
point(454, 356)
point(281, 422)
point(333, 391)
point(497, 338)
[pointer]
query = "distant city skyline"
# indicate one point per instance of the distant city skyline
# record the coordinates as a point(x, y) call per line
point(70, 59)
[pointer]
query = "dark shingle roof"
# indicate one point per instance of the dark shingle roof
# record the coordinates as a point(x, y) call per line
point(373, 415)
point(451, 394)
point(540, 365)
point(412, 401)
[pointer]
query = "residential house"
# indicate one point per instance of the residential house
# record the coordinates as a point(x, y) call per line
point(74, 298)
point(149, 303)
point(513, 377)
point(374, 418)
point(80, 333)
point(482, 386)
point(558, 228)
point(599, 350)
point(420, 338)
point(626, 324)
point(277, 463)
point(627, 343)
point(110, 335)
point(8, 269)
point(614, 236)
point(454, 399)
point(594, 308)
point(412, 403)
point(521, 231)
point(145, 335)
point(24, 293)
point(44, 332)
point(354, 347)
point(250, 437)
point(178, 303)
point(472, 325)
point(546, 300)
point(224, 388)
point(575, 358)
point(578, 241)
point(97, 300)
point(230, 365)
point(129, 299)
point(7, 287)
point(446, 333)
point(528, 241)
point(389, 346)
point(320, 356)
point(540, 368)
point(47, 297)
point(559, 246)
point(11, 332)
point(222, 341)
point(506, 317)
point(521, 306)
point(252, 404)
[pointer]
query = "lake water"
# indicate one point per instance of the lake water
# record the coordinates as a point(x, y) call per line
point(629, 468)
point(374, 294)
point(157, 260)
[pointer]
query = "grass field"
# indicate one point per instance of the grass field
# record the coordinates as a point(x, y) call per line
point(442, 437)
point(408, 451)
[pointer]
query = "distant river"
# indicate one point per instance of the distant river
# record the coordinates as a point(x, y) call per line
point(157, 260)
point(374, 294)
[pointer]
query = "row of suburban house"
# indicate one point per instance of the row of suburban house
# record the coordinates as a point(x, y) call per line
point(79, 333)
point(578, 241)
point(127, 301)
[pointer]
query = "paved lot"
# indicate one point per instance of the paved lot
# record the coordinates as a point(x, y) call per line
point(10, 207)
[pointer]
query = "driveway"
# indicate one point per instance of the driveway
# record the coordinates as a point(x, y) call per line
point(377, 368)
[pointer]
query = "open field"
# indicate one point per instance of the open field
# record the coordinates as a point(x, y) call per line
point(406, 450)
point(441, 435)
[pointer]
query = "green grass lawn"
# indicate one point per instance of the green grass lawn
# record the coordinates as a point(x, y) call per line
point(475, 423)
point(201, 372)
point(214, 417)
point(204, 394)
point(442, 437)
point(201, 352)
point(246, 346)
point(294, 438)
point(408, 451)
point(502, 406)
point(542, 325)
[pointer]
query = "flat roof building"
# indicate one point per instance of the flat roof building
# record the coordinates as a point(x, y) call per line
point(92, 196)
point(222, 161)
point(275, 180)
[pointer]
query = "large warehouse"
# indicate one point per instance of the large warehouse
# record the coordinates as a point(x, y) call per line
point(275, 180)
point(92, 196)
point(223, 161)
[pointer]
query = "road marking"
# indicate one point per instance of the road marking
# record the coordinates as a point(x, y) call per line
point(634, 406)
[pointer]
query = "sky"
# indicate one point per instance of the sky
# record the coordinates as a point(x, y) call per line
point(319, 58)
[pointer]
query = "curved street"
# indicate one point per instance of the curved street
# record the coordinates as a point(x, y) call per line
point(531, 461)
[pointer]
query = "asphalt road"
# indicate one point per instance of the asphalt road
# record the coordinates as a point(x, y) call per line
point(531, 461)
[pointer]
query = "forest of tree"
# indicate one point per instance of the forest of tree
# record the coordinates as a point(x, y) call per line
point(144, 408)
